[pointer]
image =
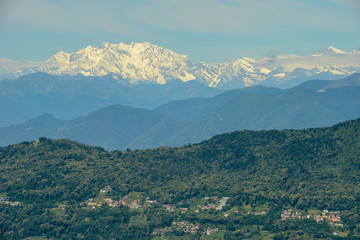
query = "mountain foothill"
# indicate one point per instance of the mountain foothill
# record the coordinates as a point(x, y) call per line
point(198, 112)
point(276, 184)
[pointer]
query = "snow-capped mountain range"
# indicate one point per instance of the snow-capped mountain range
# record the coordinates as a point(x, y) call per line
point(146, 62)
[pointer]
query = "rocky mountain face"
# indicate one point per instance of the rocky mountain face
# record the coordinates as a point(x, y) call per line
point(148, 63)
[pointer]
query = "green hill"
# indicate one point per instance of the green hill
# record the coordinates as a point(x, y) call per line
point(305, 170)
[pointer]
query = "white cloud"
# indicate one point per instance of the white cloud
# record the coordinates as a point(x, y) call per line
point(290, 62)
point(8, 65)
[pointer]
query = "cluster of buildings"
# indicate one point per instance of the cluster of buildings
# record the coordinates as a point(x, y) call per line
point(137, 203)
point(255, 213)
point(124, 202)
point(214, 203)
point(178, 226)
point(211, 231)
point(218, 205)
point(5, 200)
point(207, 207)
point(172, 208)
point(331, 217)
point(185, 227)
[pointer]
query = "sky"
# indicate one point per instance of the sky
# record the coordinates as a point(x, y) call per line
point(204, 30)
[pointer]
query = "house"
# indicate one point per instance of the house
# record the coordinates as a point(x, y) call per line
point(92, 204)
point(106, 189)
point(15, 203)
point(114, 204)
point(335, 219)
point(169, 207)
point(210, 231)
point(183, 210)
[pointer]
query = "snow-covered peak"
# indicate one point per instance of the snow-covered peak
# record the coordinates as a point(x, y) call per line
point(330, 51)
point(105, 45)
point(136, 62)
point(145, 62)
point(61, 56)
point(249, 60)
point(333, 69)
point(242, 62)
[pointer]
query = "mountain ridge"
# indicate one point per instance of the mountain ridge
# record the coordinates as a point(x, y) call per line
point(68, 97)
point(145, 62)
point(193, 120)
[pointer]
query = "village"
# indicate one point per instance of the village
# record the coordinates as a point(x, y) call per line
point(137, 201)
point(331, 217)
point(131, 200)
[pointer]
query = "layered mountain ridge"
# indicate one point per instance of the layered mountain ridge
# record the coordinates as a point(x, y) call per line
point(149, 63)
point(68, 97)
point(316, 103)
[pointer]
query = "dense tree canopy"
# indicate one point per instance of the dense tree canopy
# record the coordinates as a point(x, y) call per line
point(302, 169)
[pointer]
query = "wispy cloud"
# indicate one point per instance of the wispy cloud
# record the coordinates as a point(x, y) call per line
point(209, 16)
point(236, 17)
point(211, 30)
point(290, 62)
point(79, 16)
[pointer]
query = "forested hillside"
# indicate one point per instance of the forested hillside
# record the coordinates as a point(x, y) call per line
point(45, 187)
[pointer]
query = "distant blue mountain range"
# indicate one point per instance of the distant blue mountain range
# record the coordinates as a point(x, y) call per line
point(316, 103)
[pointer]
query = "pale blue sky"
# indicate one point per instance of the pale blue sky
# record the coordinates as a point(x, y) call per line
point(205, 30)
